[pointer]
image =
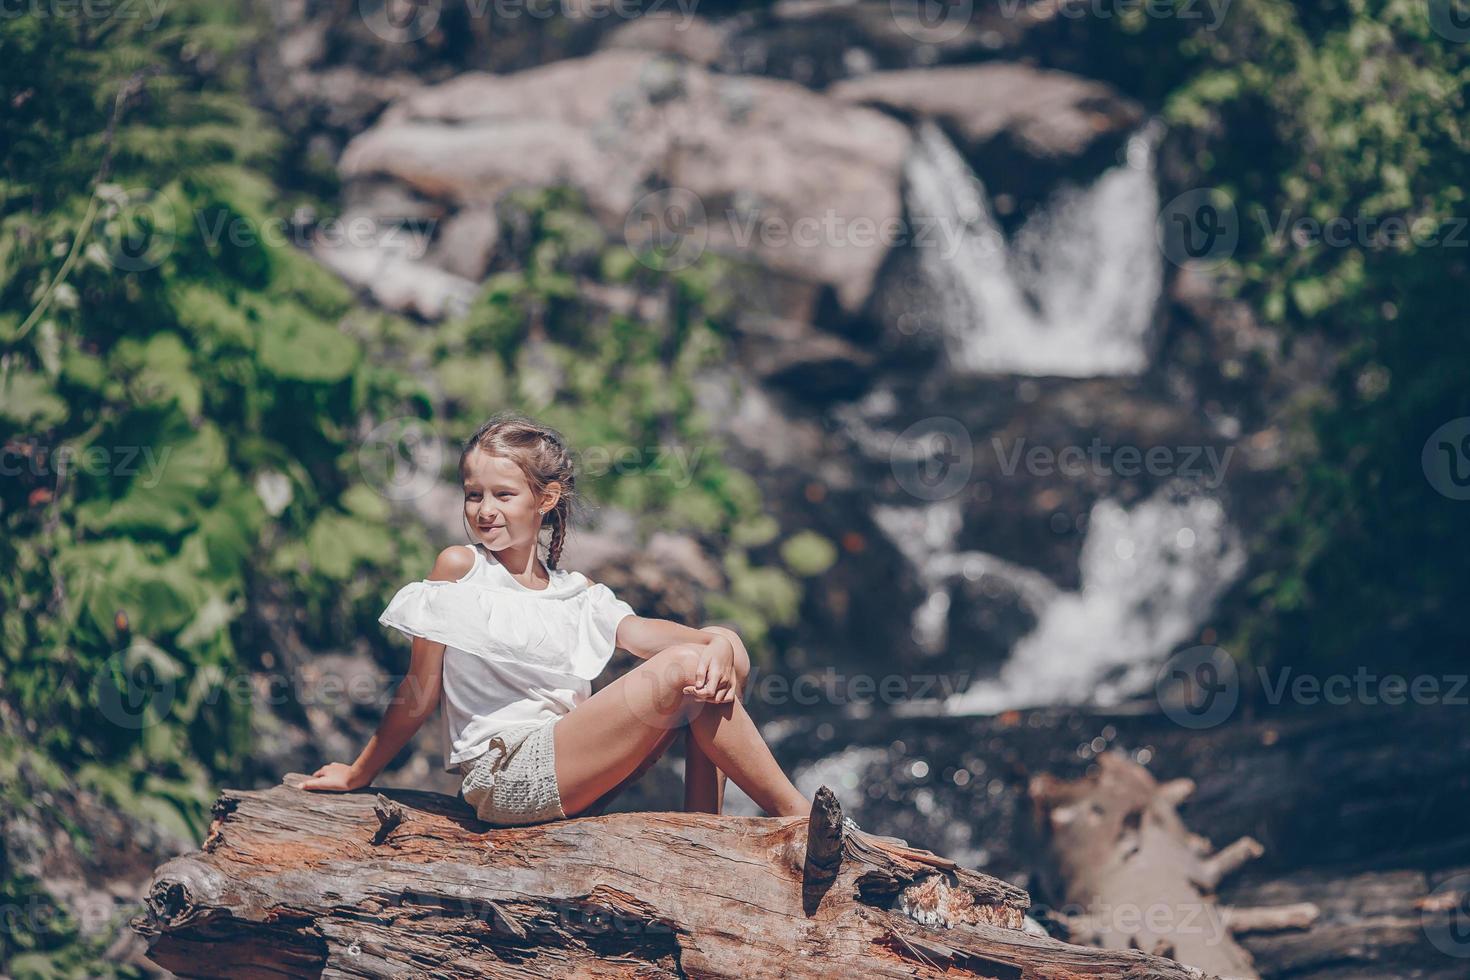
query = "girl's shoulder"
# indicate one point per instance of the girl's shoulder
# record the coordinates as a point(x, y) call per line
point(453, 564)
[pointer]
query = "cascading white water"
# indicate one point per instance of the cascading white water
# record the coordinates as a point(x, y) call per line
point(1150, 576)
point(923, 535)
point(1073, 295)
point(921, 532)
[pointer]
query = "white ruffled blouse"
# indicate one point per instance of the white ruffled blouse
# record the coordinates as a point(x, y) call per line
point(512, 654)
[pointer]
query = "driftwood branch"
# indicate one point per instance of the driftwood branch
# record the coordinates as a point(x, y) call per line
point(407, 884)
point(1271, 918)
point(1225, 862)
point(1137, 878)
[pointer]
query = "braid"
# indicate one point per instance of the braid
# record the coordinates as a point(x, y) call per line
point(558, 536)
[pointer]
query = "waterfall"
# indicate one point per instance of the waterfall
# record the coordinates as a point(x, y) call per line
point(1150, 576)
point(923, 535)
point(1073, 294)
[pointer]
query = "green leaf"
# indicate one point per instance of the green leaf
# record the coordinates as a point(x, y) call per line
point(294, 345)
point(337, 543)
point(28, 401)
point(808, 553)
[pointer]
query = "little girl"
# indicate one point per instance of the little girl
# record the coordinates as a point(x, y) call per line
point(512, 644)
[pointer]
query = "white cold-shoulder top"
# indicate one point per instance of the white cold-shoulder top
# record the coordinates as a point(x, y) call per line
point(512, 654)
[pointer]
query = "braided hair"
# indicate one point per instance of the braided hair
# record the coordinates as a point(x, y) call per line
point(543, 456)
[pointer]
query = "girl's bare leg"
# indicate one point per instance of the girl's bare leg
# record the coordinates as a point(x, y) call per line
point(704, 782)
point(601, 804)
point(603, 739)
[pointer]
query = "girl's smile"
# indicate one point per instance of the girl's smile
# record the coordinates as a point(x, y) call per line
point(503, 510)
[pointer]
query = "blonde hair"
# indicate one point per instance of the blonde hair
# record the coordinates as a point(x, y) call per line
point(542, 455)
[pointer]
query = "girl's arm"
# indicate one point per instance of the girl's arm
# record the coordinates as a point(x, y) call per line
point(720, 662)
point(415, 699)
point(413, 702)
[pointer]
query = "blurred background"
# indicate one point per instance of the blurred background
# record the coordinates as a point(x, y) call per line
point(1022, 380)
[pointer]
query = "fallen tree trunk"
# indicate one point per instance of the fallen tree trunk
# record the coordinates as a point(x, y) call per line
point(1137, 878)
point(407, 884)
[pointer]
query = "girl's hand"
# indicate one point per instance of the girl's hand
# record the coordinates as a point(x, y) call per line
point(715, 679)
point(336, 777)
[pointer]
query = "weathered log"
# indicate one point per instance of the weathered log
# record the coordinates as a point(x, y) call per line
point(1136, 878)
point(1368, 924)
point(406, 884)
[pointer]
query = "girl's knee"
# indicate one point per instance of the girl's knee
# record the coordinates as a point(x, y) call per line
point(676, 666)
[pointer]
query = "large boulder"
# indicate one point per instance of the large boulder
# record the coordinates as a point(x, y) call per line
point(783, 175)
point(1047, 114)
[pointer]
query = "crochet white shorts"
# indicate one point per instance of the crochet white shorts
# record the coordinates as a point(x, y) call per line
point(514, 780)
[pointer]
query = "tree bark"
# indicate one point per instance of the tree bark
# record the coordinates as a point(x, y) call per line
point(408, 884)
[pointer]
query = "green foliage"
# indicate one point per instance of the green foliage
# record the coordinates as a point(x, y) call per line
point(758, 599)
point(1348, 110)
point(158, 355)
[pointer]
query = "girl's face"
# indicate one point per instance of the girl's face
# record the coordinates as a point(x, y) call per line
point(498, 502)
